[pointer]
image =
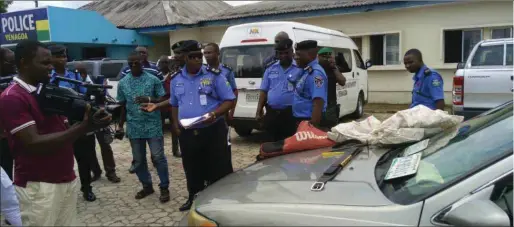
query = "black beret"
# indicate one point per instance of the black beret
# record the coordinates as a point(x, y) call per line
point(284, 44)
point(306, 45)
point(57, 50)
point(190, 46)
point(177, 46)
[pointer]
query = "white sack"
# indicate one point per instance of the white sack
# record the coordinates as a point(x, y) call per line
point(405, 126)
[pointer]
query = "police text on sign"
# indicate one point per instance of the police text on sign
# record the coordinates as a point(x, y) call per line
point(16, 27)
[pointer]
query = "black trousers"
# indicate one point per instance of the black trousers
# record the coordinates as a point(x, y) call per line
point(107, 156)
point(205, 156)
point(85, 155)
point(6, 159)
point(174, 138)
point(280, 123)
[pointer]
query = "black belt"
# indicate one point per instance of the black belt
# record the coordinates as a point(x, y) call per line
point(335, 168)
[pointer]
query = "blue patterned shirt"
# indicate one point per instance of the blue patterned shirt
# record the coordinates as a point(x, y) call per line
point(140, 124)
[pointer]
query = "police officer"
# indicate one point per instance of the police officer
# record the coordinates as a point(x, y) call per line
point(199, 90)
point(428, 84)
point(84, 146)
point(164, 67)
point(179, 56)
point(277, 93)
point(310, 96)
point(147, 65)
point(211, 52)
point(271, 59)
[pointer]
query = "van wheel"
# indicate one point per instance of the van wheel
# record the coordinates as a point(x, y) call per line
point(359, 110)
point(243, 131)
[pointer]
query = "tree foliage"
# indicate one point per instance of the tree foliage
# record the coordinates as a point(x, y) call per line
point(4, 4)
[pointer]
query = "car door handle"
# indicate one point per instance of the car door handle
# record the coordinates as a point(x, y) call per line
point(251, 82)
point(512, 78)
point(353, 74)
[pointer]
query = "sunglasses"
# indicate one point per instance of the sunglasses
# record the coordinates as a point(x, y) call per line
point(195, 56)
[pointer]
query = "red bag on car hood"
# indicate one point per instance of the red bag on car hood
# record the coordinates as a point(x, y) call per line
point(307, 137)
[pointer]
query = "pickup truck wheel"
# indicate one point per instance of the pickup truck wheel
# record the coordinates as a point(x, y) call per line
point(359, 110)
point(243, 131)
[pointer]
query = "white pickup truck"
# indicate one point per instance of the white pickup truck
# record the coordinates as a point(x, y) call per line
point(485, 80)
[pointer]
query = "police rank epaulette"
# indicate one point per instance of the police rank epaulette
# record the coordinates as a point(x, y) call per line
point(428, 72)
point(270, 63)
point(226, 66)
point(213, 70)
point(309, 69)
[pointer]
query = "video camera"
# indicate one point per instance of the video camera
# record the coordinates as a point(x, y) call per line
point(70, 103)
point(5, 82)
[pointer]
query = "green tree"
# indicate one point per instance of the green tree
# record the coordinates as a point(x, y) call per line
point(4, 4)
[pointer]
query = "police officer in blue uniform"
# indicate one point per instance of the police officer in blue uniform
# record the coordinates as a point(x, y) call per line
point(310, 96)
point(147, 65)
point(198, 90)
point(84, 147)
point(271, 59)
point(428, 84)
point(277, 93)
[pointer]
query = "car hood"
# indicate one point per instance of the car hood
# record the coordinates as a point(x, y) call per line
point(287, 179)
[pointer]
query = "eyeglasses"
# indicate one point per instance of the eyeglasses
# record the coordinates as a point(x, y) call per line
point(195, 56)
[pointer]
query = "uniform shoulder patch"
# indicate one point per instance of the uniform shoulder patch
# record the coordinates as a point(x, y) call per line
point(436, 83)
point(213, 70)
point(427, 72)
point(270, 63)
point(226, 66)
point(318, 81)
point(308, 69)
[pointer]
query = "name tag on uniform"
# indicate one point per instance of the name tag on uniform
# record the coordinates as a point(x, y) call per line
point(203, 100)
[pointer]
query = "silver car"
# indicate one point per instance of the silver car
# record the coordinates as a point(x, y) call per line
point(464, 178)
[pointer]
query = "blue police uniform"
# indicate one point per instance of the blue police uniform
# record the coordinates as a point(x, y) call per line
point(269, 60)
point(196, 96)
point(149, 67)
point(70, 75)
point(229, 74)
point(428, 88)
point(312, 84)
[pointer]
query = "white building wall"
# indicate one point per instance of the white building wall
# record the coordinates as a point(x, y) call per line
point(420, 27)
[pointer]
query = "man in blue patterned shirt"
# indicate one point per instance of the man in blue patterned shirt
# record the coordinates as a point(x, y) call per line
point(139, 86)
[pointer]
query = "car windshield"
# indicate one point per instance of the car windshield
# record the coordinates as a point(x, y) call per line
point(450, 156)
point(247, 61)
point(88, 65)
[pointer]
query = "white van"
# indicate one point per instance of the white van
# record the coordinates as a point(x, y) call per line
point(245, 47)
point(484, 81)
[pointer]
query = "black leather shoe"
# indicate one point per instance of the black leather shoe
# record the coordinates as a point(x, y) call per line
point(89, 196)
point(177, 154)
point(186, 206)
point(132, 169)
point(165, 195)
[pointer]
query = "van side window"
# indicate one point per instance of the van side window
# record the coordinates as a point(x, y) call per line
point(344, 59)
point(508, 59)
point(358, 60)
point(488, 56)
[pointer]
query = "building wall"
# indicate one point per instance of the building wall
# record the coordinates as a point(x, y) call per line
point(420, 28)
point(161, 47)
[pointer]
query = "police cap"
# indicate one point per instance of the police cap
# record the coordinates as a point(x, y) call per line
point(191, 46)
point(57, 50)
point(306, 45)
point(177, 46)
point(284, 44)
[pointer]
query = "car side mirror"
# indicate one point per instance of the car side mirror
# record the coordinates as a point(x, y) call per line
point(477, 213)
point(368, 64)
point(461, 65)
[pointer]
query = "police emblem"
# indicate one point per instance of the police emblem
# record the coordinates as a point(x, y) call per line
point(318, 81)
point(205, 82)
point(436, 83)
point(227, 83)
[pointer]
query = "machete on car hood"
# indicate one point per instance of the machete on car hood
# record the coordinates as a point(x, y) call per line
point(287, 180)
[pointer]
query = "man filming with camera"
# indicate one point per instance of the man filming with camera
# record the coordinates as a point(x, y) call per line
point(42, 143)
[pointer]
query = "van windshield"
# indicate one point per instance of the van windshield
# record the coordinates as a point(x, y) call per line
point(247, 61)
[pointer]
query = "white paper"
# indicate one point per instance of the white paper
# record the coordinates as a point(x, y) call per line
point(403, 166)
point(189, 122)
point(415, 148)
point(203, 100)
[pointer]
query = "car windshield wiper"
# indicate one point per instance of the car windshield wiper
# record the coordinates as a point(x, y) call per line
point(336, 167)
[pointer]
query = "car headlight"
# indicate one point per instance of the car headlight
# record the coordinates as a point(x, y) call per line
point(196, 219)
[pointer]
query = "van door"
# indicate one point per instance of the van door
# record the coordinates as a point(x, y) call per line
point(344, 60)
point(247, 63)
point(361, 74)
point(488, 81)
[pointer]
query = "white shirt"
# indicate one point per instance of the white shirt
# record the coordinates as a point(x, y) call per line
point(10, 205)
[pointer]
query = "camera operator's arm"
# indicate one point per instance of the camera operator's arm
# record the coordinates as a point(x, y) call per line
point(20, 123)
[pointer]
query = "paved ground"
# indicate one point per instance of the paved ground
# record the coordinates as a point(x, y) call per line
point(116, 206)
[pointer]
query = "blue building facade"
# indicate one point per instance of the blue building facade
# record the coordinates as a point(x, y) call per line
point(86, 34)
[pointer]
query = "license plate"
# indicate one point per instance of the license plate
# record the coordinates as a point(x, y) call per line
point(252, 97)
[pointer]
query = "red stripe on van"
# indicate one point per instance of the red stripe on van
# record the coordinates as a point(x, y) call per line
point(253, 40)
